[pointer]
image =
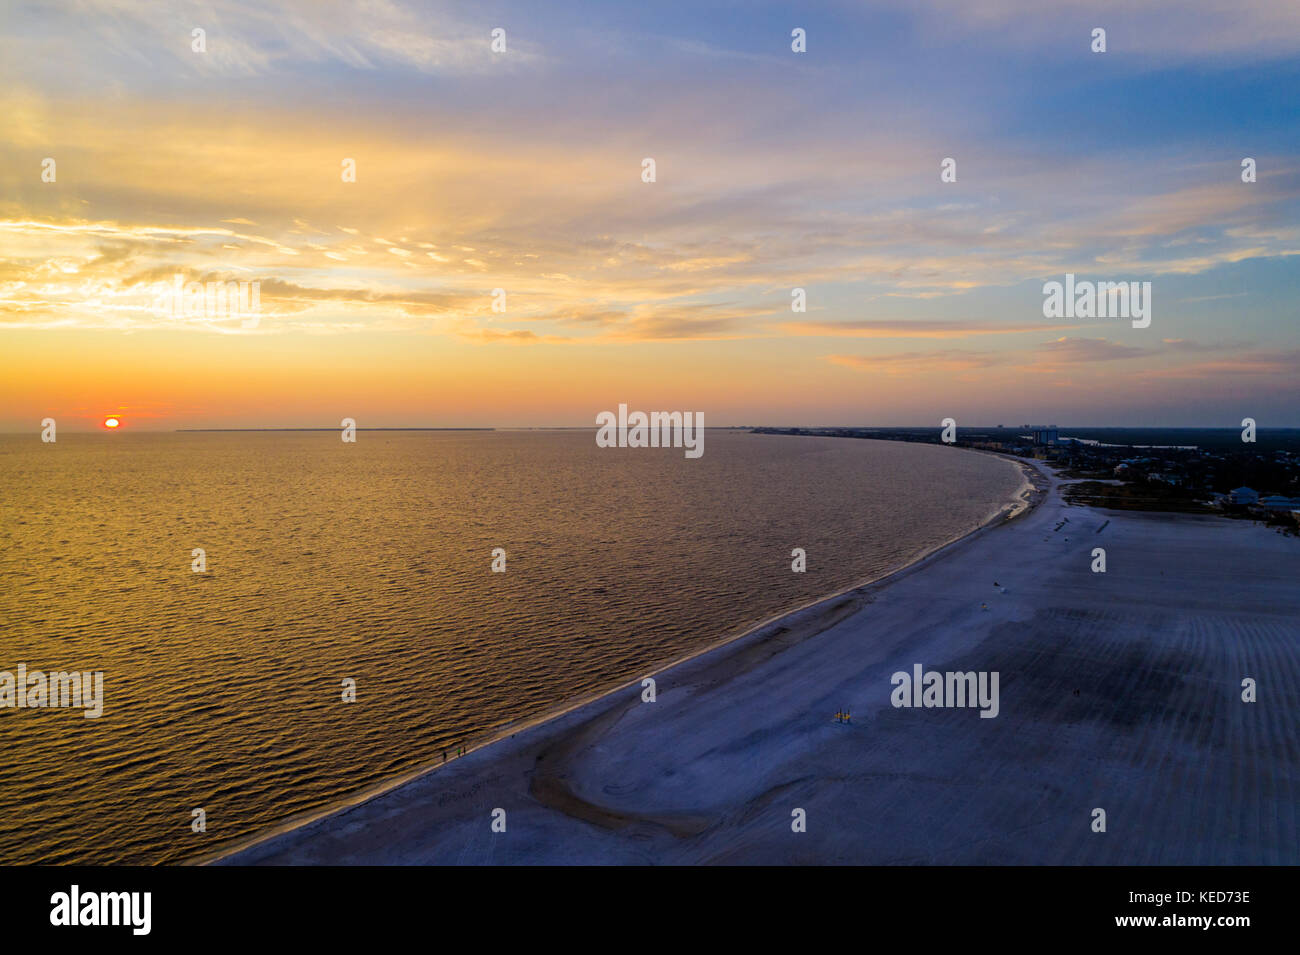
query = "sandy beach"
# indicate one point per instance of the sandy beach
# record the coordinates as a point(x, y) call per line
point(1120, 691)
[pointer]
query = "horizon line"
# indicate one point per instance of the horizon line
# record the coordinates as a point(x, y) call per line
point(735, 427)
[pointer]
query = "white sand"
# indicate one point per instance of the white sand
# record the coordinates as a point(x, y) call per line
point(1119, 690)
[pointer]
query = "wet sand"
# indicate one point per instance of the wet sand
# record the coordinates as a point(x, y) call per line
point(1119, 691)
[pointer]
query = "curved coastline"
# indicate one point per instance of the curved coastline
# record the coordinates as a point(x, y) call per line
point(807, 619)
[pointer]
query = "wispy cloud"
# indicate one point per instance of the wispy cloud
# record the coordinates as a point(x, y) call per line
point(914, 328)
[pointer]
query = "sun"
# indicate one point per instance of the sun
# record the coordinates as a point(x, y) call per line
point(111, 423)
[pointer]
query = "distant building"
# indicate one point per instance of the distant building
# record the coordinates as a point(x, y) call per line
point(1044, 434)
point(1243, 495)
point(1276, 502)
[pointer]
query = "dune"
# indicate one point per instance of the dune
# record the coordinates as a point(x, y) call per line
point(1120, 691)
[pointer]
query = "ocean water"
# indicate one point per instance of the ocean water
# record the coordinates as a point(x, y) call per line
point(329, 561)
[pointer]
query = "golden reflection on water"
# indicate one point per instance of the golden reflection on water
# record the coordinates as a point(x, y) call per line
point(371, 561)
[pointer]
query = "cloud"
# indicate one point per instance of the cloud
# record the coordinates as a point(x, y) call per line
point(519, 336)
point(1186, 345)
point(761, 188)
point(1283, 363)
point(912, 328)
point(1165, 30)
point(911, 363)
point(1072, 350)
point(1059, 351)
point(251, 38)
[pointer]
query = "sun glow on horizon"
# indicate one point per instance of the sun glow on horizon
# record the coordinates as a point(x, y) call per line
point(763, 277)
point(111, 423)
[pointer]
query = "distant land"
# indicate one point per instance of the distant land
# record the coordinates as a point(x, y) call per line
point(1209, 439)
point(1196, 470)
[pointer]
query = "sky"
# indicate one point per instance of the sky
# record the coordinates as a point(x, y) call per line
point(522, 171)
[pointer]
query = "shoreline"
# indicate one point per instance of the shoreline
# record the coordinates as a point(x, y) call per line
point(1121, 689)
point(1032, 490)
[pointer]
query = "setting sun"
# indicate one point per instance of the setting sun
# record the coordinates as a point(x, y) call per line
point(111, 422)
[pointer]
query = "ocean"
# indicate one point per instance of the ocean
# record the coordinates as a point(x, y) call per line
point(372, 562)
